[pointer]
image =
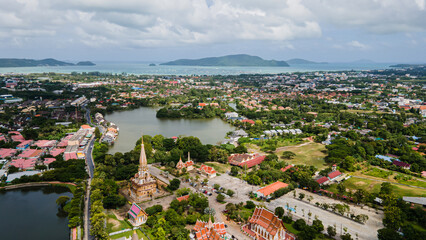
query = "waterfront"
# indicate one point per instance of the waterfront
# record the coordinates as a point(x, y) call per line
point(142, 120)
point(32, 213)
point(143, 68)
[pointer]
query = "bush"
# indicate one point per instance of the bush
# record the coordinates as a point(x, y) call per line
point(220, 198)
point(287, 219)
point(250, 205)
point(154, 209)
point(300, 224)
point(174, 184)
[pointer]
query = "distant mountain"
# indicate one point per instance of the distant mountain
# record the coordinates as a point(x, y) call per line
point(230, 60)
point(85, 63)
point(16, 62)
point(302, 61)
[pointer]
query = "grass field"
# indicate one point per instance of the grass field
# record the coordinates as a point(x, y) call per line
point(391, 176)
point(373, 186)
point(113, 224)
point(307, 154)
point(375, 172)
point(219, 167)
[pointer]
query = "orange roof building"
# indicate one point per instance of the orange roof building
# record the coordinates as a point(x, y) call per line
point(268, 190)
point(183, 198)
point(208, 171)
point(265, 225)
point(210, 231)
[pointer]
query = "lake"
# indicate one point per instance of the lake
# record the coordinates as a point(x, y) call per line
point(142, 120)
point(32, 213)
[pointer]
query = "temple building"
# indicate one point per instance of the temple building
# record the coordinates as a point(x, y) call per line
point(265, 225)
point(142, 185)
point(137, 216)
point(209, 230)
point(189, 165)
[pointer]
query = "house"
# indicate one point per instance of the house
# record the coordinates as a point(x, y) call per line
point(24, 144)
point(209, 230)
point(286, 168)
point(401, 164)
point(208, 171)
point(266, 192)
point(246, 160)
point(7, 152)
point(322, 180)
point(137, 216)
point(23, 164)
point(183, 198)
point(230, 115)
point(265, 225)
point(333, 175)
point(45, 143)
point(31, 153)
point(416, 201)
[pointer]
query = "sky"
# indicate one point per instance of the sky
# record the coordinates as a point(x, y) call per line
point(163, 30)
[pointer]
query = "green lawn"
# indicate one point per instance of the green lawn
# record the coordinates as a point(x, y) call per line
point(114, 225)
point(309, 154)
point(373, 186)
point(375, 172)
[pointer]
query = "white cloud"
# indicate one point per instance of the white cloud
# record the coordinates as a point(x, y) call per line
point(136, 23)
point(357, 45)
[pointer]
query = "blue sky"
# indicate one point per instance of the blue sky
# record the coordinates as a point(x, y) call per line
point(162, 30)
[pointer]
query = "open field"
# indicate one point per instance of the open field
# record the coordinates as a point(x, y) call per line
point(113, 224)
point(391, 176)
point(373, 186)
point(307, 154)
point(219, 167)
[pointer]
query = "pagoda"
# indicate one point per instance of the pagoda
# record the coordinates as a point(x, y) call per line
point(142, 185)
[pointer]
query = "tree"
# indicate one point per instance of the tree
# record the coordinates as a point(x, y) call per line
point(288, 155)
point(271, 157)
point(234, 171)
point(317, 225)
point(230, 193)
point(12, 169)
point(220, 198)
point(174, 184)
point(97, 133)
point(331, 231)
point(388, 234)
point(62, 201)
point(341, 188)
point(240, 149)
point(346, 236)
point(279, 211)
point(393, 217)
point(250, 205)
point(299, 224)
point(386, 188)
point(217, 154)
point(301, 196)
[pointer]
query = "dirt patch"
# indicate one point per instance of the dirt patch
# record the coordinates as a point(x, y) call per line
point(360, 183)
point(115, 223)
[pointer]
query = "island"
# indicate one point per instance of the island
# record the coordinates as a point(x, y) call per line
point(152, 65)
point(17, 62)
point(229, 60)
point(302, 61)
point(85, 63)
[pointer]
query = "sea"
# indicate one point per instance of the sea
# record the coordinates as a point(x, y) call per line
point(143, 68)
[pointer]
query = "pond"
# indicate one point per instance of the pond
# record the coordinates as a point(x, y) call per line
point(32, 213)
point(143, 120)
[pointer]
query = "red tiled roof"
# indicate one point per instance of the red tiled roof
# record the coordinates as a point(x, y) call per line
point(245, 159)
point(334, 174)
point(286, 168)
point(207, 169)
point(182, 198)
point(322, 180)
point(266, 219)
point(266, 191)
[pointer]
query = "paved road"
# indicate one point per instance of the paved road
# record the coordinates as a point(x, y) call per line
point(90, 167)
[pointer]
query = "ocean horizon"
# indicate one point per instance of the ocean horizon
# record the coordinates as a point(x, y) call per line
point(143, 68)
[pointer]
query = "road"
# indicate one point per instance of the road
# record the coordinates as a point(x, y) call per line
point(90, 167)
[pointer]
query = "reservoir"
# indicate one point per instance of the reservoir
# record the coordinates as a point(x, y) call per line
point(143, 120)
point(32, 213)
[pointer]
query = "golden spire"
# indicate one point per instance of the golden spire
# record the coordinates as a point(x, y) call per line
point(143, 163)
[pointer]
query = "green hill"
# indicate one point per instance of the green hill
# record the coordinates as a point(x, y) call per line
point(230, 60)
point(16, 62)
point(85, 63)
